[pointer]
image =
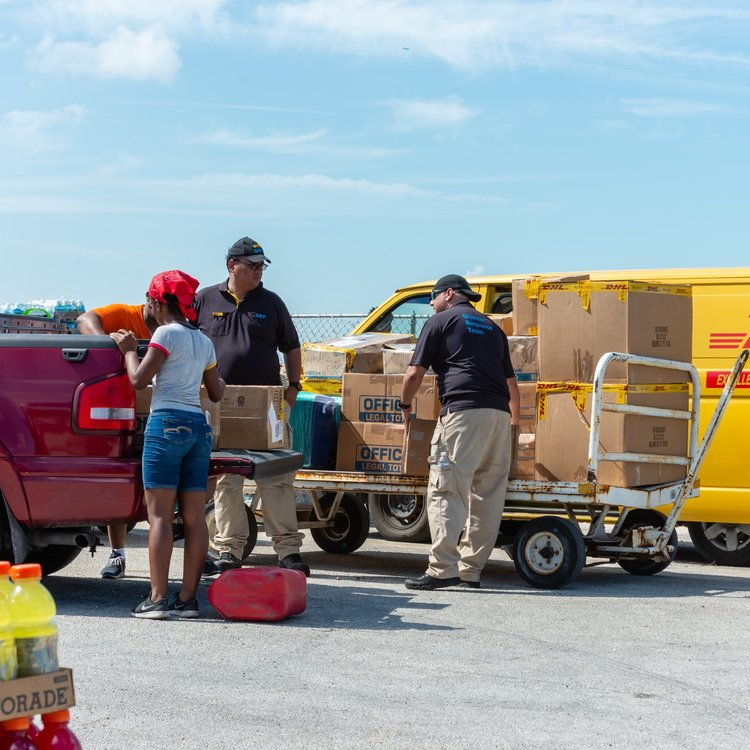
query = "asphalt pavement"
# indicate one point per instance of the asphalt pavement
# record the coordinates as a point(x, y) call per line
point(614, 660)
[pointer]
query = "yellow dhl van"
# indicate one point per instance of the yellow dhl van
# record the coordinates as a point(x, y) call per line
point(719, 520)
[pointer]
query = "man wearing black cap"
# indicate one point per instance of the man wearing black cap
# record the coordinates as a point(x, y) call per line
point(471, 446)
point(249, 325)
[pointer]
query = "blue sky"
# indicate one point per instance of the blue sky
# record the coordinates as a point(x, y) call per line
point(367, 144)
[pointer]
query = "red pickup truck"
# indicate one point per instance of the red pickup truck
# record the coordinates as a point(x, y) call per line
point(68, 456)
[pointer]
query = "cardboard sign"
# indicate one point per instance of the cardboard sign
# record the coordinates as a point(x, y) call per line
point(42, 694)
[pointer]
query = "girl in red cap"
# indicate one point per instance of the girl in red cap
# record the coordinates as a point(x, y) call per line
point(177, 440)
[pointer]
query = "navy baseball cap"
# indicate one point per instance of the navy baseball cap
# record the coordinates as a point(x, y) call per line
point(457, 284)
point(247, 248)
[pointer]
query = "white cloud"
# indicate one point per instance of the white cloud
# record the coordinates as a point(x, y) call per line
point(278, 142)
point(139, 55)
point(476, 271)
point(668, 107)
point(482, 34)
point(420, 114)
point(38, 131)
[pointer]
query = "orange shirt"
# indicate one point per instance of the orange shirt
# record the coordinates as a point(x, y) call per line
point(129, 317)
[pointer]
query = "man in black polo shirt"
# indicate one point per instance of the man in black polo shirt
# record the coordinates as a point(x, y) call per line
point(471, 446)
point(249, 325)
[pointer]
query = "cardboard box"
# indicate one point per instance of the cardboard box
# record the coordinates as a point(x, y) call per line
point(524, 357)
point(524, 452)
point(525, 293)
point(372, 398)
point(252, 417)
point(579, 322)
point(44, 693)
point(562, 433)
point(396, 358)
point(357, 353)
point(503, 322)
point(377, 448)
point(143, 408)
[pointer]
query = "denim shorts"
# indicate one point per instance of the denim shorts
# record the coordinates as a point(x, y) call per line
point(176, 450)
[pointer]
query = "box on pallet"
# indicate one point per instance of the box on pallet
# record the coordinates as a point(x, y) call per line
point(252, 417)
point(581, 321)
point(396, 358)
point(504, 322)
point(41, 694)
point(361, 353)
point(373, 398)
point(525, 296)
point(524, 453)
point(562, 433)
point(143, 408)
point(378, 448)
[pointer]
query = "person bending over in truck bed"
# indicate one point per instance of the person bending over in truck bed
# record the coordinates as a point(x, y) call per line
point(102, 321)
point(177, 440)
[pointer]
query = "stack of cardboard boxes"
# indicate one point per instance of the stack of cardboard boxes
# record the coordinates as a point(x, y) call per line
point(577, 321)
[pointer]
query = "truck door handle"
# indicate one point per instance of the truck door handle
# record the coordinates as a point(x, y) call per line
point(74, 355)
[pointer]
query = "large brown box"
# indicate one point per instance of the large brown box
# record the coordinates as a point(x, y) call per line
point(143, 408)
point(373, 398)
point(524, 453)
point(397, 357)
point(504, 322)
point(581, 321)
point(524, 293)
point(524, 356)
point(252, 417)
point(562, 433)
point(357, 353)
point(377, 448)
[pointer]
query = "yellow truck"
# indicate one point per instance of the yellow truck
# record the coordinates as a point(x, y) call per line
point(719, 520)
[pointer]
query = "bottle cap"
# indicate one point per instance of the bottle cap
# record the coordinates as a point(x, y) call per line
point(27, 570)
point(22, 722)
point(57, 717)
point(4, 567)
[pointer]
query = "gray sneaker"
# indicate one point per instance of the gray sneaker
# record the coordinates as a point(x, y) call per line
point(151, 610)
point(178, 608)
point(115, 567)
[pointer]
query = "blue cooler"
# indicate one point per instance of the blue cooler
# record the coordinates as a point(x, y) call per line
point(315, 427)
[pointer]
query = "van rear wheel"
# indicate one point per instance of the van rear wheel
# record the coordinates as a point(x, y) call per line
point(722, 543)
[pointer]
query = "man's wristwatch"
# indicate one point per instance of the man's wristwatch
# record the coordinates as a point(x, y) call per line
point(401, 405)
point(296, 384)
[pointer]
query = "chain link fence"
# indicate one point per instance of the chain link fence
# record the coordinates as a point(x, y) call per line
point(319, 327)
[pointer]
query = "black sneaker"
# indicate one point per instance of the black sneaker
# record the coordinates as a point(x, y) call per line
point(150, 610)
point(430, 583)
point(178, 608)
point(295, 562)
point(115, 567)
point(210, 568)
point(227, 561)
point(470, 585)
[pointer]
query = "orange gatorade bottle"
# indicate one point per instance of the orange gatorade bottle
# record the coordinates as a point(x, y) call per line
point(8, 664)
point(32, 612)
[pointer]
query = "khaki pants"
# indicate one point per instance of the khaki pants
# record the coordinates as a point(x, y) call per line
point(279, 513)
point(469, 494)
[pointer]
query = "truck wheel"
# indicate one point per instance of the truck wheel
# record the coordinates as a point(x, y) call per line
point(646, 566)
point(549, 552)
point(54, 557)
point(400, 518)
point(722, 543)
point(252, 525)
point(350, 525)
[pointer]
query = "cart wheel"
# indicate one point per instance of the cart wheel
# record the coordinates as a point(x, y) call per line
point(549, 552)
point(400, 518)
point(252, 524)
point(350, 526)
point(646, 566)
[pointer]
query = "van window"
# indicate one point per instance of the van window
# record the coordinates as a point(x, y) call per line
point(408, 316)
point(501, 300)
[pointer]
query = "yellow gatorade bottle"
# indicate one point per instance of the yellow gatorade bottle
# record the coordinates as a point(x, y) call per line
point(32, 612)
point(8, 664)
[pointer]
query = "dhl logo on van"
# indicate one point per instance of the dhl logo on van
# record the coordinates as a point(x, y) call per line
point(718, 379)
point(728, 341)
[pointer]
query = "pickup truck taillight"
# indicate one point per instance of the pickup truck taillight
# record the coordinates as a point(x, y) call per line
point(107, 404)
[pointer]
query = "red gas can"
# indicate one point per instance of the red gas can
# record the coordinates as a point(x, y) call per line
point(259, 593)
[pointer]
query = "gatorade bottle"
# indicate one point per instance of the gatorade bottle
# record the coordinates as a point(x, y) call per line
point(8, 664)
point(32, 612)
point(13, 735)
point(56, 735)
